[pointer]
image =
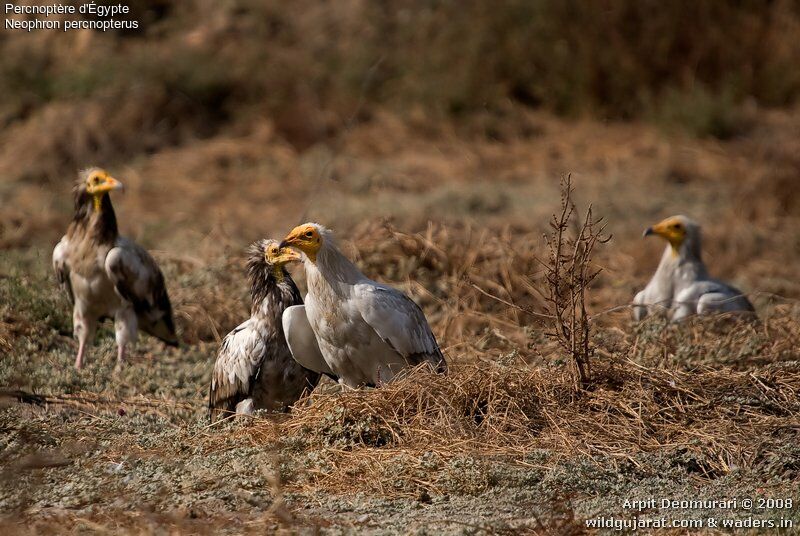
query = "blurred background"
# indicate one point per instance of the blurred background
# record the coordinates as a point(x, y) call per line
point(232, 120)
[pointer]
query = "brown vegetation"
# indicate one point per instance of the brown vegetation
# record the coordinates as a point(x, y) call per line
point(198, 69)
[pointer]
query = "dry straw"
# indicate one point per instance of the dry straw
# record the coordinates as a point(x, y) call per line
point(722, 419)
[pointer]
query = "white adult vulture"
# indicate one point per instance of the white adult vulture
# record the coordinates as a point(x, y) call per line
point(108, 276)
point(681, 286)
point(254, 367)
point(367, 332)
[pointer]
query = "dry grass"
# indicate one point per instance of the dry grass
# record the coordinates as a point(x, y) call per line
point(712, 396)
point(712, 420)
point(705, 400)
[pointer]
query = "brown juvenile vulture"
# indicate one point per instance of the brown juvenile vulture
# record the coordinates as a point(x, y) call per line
point(254, 367)
point(106, 275)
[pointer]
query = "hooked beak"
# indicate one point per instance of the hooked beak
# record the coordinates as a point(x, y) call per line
point(293, 239)
point(287, 255)
point(304, 239)
point(647, 232)
point(111, 184)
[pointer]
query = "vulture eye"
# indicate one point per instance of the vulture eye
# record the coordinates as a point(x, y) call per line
point(309, 234)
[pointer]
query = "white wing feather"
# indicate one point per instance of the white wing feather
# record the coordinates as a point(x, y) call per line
point(237, 363)
point(61, 267)
point(302, 341)
point(397, 320)
point(137, 278)
point(709, 296)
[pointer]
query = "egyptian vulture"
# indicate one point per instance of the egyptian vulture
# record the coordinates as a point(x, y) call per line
point(108, 276)
point(254, 367)
point(367, 332)
point(681, 285)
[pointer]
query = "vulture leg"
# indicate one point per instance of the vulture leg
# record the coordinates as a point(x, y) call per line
point(245, 407)
point(83, 330)
point(81, 353)
point(344, 386)
point(639, 309)
point(383, 375)
point(125, 328)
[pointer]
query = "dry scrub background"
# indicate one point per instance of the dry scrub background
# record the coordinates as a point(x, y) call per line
point(431, 137)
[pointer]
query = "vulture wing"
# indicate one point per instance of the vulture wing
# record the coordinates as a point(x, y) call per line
point(400, 322)
point(62, 269)
point(302, 341)
point(137, 279)
point(710, 296)
point(236, 369)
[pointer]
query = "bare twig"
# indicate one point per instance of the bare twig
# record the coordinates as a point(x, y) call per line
point(569, 272)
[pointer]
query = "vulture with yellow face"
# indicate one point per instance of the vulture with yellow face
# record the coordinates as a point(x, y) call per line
point(681, 285)
point(254, 367)
point(108, 276)
point(366, 332)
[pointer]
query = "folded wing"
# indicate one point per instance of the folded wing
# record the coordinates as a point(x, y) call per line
point(137, 278)
point(710, 296)
point(236, 369)
point(400, 322)
point(302, 341)
point(62, 269)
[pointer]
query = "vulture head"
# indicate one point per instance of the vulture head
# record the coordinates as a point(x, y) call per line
point(94, 183)
point(681, 232)
point(266, 260)
point(307, 238)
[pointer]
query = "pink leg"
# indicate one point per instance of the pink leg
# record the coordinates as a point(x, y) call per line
point(84, 332)
point(125, 329)
point(79, 359)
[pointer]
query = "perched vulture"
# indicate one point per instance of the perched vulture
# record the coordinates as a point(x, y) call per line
point(681, 285)
point(109, 276)
point(254, 367)
point(367, 332)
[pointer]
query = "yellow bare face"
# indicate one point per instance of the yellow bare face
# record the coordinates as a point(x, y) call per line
point(100, 182)
point(672, 229)
point(305, 238)
point(278, 256)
